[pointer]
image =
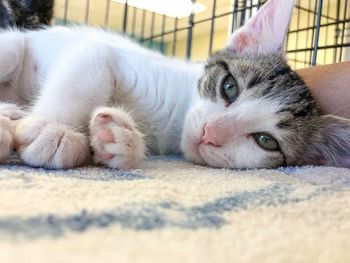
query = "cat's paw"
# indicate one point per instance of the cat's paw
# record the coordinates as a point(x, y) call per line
point(114, 139)
point(6, 138)
point(50, 145)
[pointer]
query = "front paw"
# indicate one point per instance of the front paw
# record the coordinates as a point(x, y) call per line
point(115, 140)
point(6, 138)
point(50, 145)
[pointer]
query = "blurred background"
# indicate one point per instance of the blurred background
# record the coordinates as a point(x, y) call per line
point(319, 32)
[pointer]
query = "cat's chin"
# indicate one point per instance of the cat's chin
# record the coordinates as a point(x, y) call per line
point(195, 157)
point(190, 150)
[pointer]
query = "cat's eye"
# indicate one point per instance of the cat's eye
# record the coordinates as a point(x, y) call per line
point(230, 89)
point(266, 141)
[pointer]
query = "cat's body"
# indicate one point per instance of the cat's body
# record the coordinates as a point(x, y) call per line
point(30, 14)
point(158, 104)
point(86, 88)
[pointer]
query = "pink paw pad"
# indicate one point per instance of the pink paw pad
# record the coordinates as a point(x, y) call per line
point(105, 136)
point(103, 118)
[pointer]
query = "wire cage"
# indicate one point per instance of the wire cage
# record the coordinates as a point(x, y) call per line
point(319, 32)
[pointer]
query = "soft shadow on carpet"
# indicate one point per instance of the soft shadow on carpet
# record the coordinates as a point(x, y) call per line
point(173, 211)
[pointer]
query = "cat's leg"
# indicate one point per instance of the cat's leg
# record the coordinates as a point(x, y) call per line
point(6, 137)
point(114, 138)
point(12, 50)
point(53, 134)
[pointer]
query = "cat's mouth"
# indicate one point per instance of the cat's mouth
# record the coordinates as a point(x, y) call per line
point(192, 151)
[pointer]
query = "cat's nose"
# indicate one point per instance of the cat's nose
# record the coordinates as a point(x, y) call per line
point(210, 138)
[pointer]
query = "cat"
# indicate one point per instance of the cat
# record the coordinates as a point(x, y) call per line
point(29, 14)
point(85, 88)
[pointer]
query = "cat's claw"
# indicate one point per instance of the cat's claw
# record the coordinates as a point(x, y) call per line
point(114, 139)
point(50, 145)
point(6, 137)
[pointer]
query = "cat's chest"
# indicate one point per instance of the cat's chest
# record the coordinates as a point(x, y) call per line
point(160, 118)
point(158, 92)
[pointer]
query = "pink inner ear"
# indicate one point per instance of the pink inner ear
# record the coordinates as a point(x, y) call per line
point(264, 33)
point(264, 19)
point(243, 42)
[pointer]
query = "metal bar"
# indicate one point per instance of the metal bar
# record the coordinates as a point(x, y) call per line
point(175, 36)
point(307, 34)
point(205, 20)
point(287, 40)
point(313, 12)
point(320, 47)
point(152, 30)
point(125, 16)
point(143, 23)
point(319, 12)
point(250, 8)
point(108, 8)
point(165, 33)
point(326, 40)
point(296, 60)
point(313, 33)
point(314, 27)
point(212, 27)
point(65, 15)
point(335, 52)
point(218, 16)
point(234, 15)
point(190, 33)
point(162, 34)
point(87, 11)
point(344, 29)
point(243, 13)
point(297, 36)
point(133, 26)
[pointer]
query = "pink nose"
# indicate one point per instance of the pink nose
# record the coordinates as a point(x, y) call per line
point(209, 137)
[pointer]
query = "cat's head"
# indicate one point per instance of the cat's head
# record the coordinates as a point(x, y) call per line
point(253, 111)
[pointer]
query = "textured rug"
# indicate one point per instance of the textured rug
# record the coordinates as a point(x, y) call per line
point(174, 211)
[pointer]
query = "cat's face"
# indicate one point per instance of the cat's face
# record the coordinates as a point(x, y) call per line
point(252, 112)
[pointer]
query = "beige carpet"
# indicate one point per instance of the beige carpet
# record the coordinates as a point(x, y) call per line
point(173, 211)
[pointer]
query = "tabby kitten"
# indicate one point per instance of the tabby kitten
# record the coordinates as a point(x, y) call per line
point(243, 108)
point(30, 14)
point(261, 115)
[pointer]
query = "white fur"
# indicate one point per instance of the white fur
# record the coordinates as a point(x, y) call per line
point(115, 140)
point(51, 145)
point(69, 73)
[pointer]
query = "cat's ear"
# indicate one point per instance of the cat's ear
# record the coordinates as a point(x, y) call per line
point(265, 32)
point(330, 142)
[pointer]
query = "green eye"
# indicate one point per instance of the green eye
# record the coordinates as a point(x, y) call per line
point(230, 90)
point(266, 141)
